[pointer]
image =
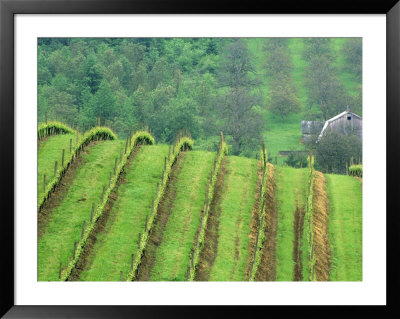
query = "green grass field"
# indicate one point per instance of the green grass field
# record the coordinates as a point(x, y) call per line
point(173, 255)
point(345, 227)
point(114, 246)
point(291, 187)
point(65, 225)
point(50, 150)
point(235, 205)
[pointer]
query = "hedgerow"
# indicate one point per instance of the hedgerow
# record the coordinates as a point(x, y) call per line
point(356, 170)
point(95, 134)
point(183, 142)
point(53, 128)
point(140, 137)
point(262, 222)
point(199, 243)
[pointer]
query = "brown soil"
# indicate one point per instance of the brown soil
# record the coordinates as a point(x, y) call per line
point(267, 268)
point(160, 221)
point(298, 234)
point(209, 251)
point(320, 228)
point(60, 191)
point(254, 224)
point(103, 223)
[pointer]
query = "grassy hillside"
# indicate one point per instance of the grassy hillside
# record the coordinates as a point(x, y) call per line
point(172, 256)
point(167, 254)
point(291, 193)
point(345, 227)
point(235, 206)
point(114, 246)
point(65, 222)
point(49, 151)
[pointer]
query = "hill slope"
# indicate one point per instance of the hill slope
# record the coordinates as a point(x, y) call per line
point(119, 239)
point(64, 226)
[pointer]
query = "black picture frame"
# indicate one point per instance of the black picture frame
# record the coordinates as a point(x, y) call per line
point(8, 8)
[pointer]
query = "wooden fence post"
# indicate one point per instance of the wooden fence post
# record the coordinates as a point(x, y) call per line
point(140, 237)
point(83, 228)
point(91, 213)
point(145, 225)
point(126, 144)
point(109, 179)
point(55, 169)
point(62, 158)
point(70, 145)
point(74, 250)
point(44, 182)
point(131, 261)
point(102, 195)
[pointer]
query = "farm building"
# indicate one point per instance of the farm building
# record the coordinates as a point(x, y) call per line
point(346, 122)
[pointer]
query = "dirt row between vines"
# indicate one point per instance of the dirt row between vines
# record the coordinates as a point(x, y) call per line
point(320, 228)
point(209, 251)
point(160, 222)
point(267, 268)
point(103, 223)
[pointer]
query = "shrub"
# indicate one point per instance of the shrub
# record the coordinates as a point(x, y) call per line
point(53, 128)
point(355, 170)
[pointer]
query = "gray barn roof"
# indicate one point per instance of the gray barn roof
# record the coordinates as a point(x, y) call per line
point(333, 119)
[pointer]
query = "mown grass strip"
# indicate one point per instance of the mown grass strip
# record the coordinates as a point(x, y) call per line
point(140, 137)
point(173, 255)
point(345, 227)
point(236, 206)
point(53, 128)
point(95, 134)
point(199, 241)
point(114, 246)
point(291, 194)
point(183, 142)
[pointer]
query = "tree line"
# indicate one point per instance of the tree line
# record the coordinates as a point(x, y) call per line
point(204, 85)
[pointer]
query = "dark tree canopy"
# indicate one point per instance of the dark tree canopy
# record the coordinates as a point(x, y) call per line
point(334, 150)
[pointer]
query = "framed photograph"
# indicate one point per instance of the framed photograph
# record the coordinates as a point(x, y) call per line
point(170, 154)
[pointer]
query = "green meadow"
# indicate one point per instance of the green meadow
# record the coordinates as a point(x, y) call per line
point(235, 207)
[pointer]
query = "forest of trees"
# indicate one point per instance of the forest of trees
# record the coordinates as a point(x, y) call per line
point(205, 85)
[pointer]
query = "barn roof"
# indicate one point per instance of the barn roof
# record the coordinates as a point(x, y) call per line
point(327, 122)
